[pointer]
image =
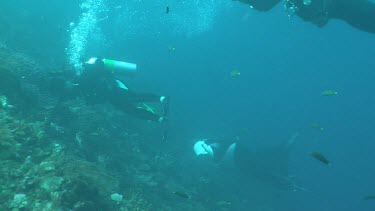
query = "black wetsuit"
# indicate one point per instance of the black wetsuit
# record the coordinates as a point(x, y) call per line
point(358, 13)
point(97, 85)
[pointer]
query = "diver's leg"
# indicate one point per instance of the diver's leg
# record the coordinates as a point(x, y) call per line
point(358, 13)
point(145, 97)
point(125, 101)
point(135, 97)
point(140, 113)
point(151, 98)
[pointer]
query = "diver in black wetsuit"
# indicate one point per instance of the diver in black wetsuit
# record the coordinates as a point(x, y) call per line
point(98, 84)
point(358, 13)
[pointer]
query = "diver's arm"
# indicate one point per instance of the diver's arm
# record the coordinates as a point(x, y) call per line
point(261, 5)
point(358, 13)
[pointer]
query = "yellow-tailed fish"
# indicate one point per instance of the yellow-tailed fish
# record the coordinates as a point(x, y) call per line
point(316, 126)
point(235, 74)
point(223, 203)
point(171, 49)
point(329, 93)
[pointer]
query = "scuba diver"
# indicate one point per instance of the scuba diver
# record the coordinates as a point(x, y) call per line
point(269, 165)
point(99, 83)
point(358, 13)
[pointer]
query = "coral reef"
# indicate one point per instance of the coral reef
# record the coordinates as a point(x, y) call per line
point(7, 141)
point(37, 174)
point(77, 156)
point(17, 63)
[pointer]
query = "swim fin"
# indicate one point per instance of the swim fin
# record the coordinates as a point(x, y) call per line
point(166, 103)
point(164, 130)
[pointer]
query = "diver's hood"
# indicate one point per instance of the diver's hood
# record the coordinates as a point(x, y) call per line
point(202, 148)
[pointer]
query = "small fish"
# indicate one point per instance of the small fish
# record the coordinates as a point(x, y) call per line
point(223, 203)
point(319, 156)
point(167, 9)
point(369, 197)
point(329, 93)
point(316, 126)
point(235, 74)
point(181, 194)
point(171, 49)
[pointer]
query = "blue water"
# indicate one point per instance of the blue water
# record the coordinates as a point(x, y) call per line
point(285, 65)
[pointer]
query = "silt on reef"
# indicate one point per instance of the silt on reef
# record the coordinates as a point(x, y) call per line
point(7, 141)
point(36, 174)
point(17, 63)
point(87, 188)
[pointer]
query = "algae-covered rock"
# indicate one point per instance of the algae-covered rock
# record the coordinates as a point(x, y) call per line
point(19, 201)
point(116, 197)
point(7, 139)
point(46, 166)
point(51, 184)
